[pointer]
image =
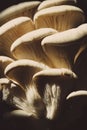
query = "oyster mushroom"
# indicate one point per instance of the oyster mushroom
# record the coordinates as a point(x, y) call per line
point(59, 17)
point(76, 94)
point(62, 47)
point(50, 3)
point(20, 73)
point(54, 85)
point(21, 9)
point(28, 46)
point(10, 31)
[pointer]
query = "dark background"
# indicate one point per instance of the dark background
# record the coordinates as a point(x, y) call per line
point(6, 3)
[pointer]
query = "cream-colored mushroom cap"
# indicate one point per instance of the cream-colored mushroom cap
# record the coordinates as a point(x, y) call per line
point(29, 45)
point(50, 3)
point(62, 47)
point(21, 71)
point(59, 17)
point(58, 73)
point(21, 9)
point(53, 76)
point(12, 30)
point(77, 94)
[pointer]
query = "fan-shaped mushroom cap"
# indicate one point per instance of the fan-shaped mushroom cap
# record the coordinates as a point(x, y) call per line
point(50, 3)
point(53, 76)
point(4, 61)
point(21, 71)
point(54, 85)
point(21, 9)
point(29, 45)
point(62, 47)
point(13, 29)
point(59, 17)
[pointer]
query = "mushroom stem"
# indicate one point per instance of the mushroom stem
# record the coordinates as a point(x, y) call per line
point(52, 99)
point(53, 86)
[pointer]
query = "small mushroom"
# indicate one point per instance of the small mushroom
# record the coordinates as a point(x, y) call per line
point(50, 3)
point(62, 47)
point(28, 46)
point(21, 71)
point(59, 17)
point(12, 30)
point(4, 61)
point(54, 85)
point(21, 9)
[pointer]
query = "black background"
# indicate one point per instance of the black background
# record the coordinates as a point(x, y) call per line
point(6, 3)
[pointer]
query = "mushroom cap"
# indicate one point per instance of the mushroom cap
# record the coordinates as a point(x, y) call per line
point(29, 45)
point(50, 3)
point(61, 48)
point(76, 94)
point(21, 9)
point(13, 29)
point(4, 61)
point(59, 17)
point(21, 71)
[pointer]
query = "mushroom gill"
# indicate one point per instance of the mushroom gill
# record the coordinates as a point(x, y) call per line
point(20, 73)
point(63, 47)
point(59, 17)
point(54, 85)
point(12, 30)
point(28, 46)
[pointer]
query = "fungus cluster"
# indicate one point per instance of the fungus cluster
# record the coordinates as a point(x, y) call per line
point(43, 46)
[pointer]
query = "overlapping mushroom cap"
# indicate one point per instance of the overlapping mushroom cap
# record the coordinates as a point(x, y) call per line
point(45, 41)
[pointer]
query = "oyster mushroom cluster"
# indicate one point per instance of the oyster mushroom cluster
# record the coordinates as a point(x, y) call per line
point(42, 48)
